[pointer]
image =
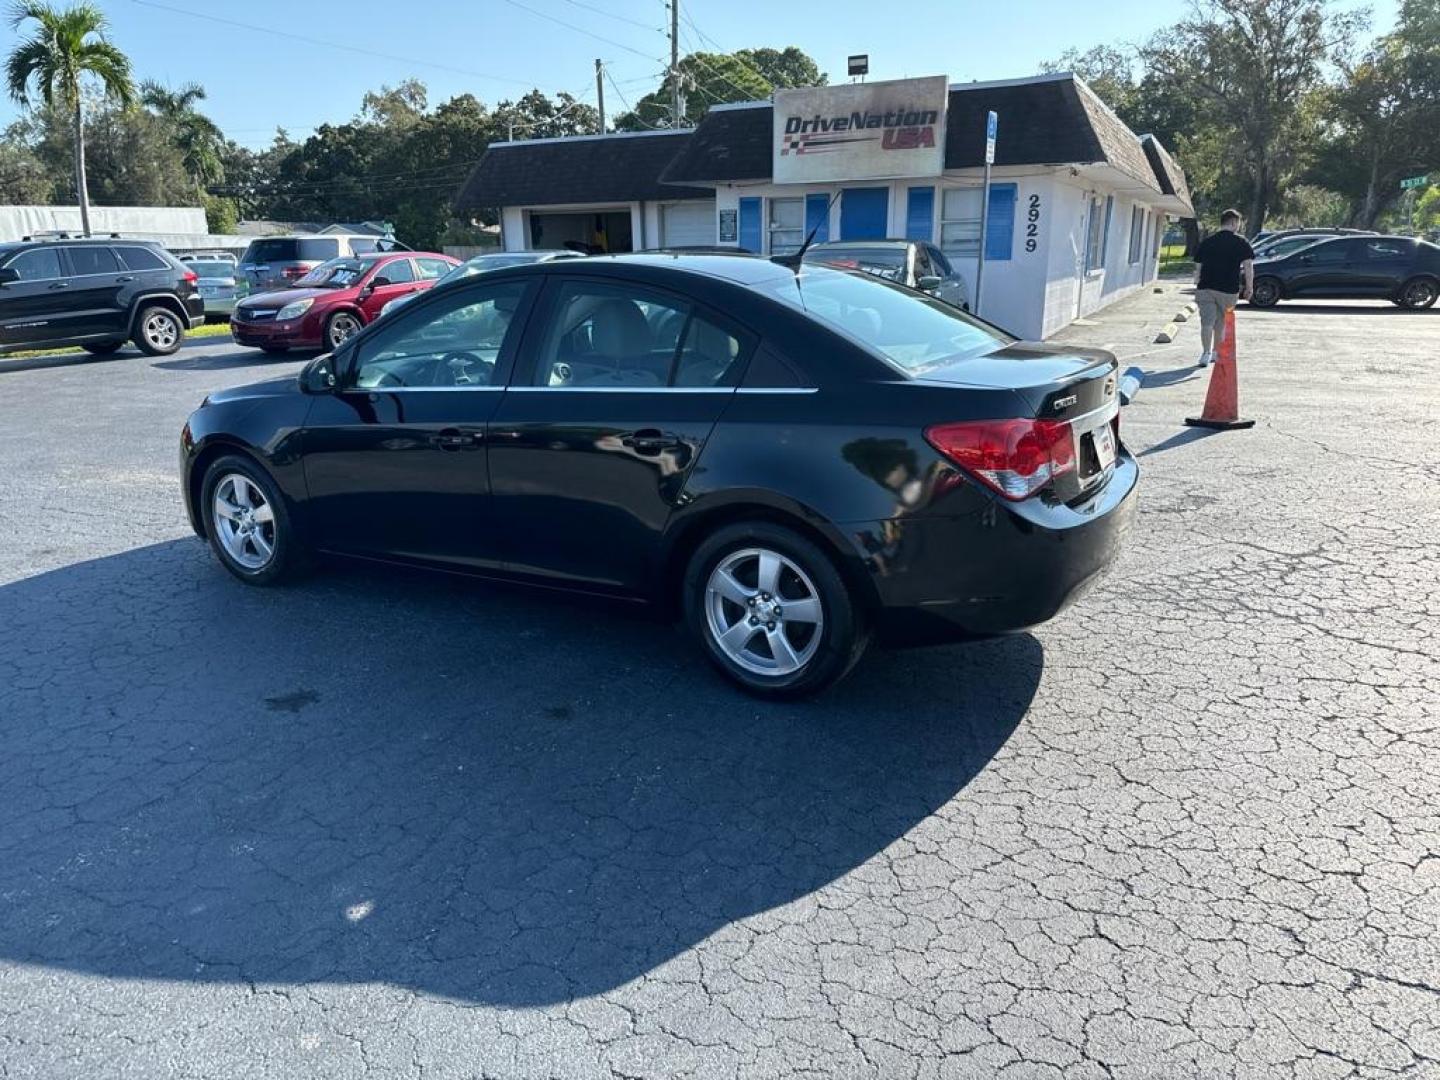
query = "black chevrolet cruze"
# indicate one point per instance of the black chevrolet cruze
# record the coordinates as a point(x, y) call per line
point(795, 461)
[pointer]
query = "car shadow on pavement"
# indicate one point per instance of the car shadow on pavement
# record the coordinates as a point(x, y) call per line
point(480, 793)
point(1373, 307)
point(221, 361)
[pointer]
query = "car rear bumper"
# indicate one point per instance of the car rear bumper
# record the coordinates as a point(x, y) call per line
point(1003, 570)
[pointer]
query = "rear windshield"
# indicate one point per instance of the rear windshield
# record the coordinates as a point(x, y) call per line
point(291, 249)
point(212, 269)
point(886, 262)
point(916, 333)
point(335, 274)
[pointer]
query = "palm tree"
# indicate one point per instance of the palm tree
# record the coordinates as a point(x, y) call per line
point(195, 135)
point(68, 46)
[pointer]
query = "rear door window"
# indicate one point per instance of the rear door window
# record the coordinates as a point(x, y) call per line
point(93, 260)
point(140, 258)
point(398, 272)
point(37, 264)
point(1389, 251)
point(432, 268)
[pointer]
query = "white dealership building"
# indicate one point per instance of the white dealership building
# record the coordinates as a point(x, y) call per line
point(1077, 203)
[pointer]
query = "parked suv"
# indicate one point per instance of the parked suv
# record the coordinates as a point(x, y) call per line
point(1395, 268)
point(277, 262)
point(96, 294)
point(910, 262)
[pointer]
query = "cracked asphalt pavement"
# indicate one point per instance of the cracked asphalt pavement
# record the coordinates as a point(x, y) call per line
point(394, 825)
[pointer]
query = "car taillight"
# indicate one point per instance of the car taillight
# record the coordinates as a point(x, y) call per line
point(190, 277)
point(293, 271)
point(1015, 458)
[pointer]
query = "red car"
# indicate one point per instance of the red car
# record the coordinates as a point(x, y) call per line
point(334, 300)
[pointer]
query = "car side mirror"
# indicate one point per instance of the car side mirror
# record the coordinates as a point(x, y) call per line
point(318, 377)
point(376, 282)
point(9, 276)
point(929, 282)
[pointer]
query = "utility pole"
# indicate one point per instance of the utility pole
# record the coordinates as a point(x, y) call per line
point(675, 63)
point(600, 90)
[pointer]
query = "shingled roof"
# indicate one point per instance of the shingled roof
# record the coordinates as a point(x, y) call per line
point(579, 169)
point(1049, 120)
point(1167, 172)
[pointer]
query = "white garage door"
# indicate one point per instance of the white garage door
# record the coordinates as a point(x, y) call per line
point(688, 224)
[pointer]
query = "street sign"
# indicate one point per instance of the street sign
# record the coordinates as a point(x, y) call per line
point(992, 123)
point(1413, 182)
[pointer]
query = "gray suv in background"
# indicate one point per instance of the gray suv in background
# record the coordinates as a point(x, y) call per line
point(914, 263)
point(277, 262)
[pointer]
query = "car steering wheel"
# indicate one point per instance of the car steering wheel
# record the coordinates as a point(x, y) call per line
point(459, 362)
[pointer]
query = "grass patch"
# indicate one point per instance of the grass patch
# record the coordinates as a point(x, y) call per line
point(207, 330)
point(1173, 261)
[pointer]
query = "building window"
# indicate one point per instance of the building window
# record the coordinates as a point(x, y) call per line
point(787, 225)
point(1137, 234)
point(960, 211)
point(1095, 238)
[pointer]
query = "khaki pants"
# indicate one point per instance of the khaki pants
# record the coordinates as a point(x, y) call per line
point(1213, 306)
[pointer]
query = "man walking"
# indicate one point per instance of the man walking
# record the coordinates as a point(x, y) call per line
point(1220, 261)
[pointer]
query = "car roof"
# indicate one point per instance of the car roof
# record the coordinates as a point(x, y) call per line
point(890, 242)
point(741, 268)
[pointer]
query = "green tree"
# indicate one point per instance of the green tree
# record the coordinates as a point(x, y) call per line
point(1427, 208)
point(67, 50)
point(23, 176)
point(1385, 115)
point(1253, 69)
point(196, 136)
point(707, 79)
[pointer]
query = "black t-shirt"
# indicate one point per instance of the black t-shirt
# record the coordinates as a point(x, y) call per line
point(1220, 256)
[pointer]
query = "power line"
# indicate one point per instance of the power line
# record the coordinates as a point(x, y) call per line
point(329, 44)
point(612, 15)
point(577, 29)
point(628, 107)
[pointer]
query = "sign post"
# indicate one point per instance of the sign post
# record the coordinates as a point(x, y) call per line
point(992, 124)
point(1409, 185)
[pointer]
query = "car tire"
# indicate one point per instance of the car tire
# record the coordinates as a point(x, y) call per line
point(103, 348)
point(260, 547)
point(340, 328)
point(158, 331)
point(1266, 293)
point(274, 350)
point(735, 617)
point(1419, 293)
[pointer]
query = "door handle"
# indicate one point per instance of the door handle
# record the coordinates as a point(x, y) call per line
point(60, 285)
point(454, 439)
point(650, 441)
point(125, 277)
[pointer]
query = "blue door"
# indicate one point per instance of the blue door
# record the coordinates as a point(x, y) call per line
point(864, 213)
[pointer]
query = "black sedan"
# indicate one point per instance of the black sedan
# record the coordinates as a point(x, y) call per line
point(1395, 268)
point(796, 462)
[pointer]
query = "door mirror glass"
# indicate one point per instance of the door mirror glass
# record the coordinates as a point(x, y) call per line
point(8, 275)
point(929, 282)
point(378, 280)
point(318, 376)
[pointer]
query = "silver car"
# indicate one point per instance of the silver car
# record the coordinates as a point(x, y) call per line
point(479, 264)
point(915, 263)
point(217, 285)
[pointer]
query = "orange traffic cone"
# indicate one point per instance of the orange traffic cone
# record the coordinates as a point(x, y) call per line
point(1222, 401)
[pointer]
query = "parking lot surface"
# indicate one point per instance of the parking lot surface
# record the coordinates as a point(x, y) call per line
point(390, 824)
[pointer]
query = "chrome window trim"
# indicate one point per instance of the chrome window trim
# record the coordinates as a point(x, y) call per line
point(417, 389)
point(626, 389)
point(777, 390)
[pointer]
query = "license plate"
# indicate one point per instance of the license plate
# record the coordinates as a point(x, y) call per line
point(1104, 440)
point(209, 290)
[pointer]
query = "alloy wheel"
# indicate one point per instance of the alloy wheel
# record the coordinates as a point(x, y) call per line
point(1265, 294)
point(1419, 294)
point(244, 521)
point(340, 328)
point(763, 612)
point(161, 330)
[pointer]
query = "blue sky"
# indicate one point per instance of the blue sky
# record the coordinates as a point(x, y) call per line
point(499, 48)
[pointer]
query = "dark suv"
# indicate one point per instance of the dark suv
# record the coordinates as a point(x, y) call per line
point(96, 294)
